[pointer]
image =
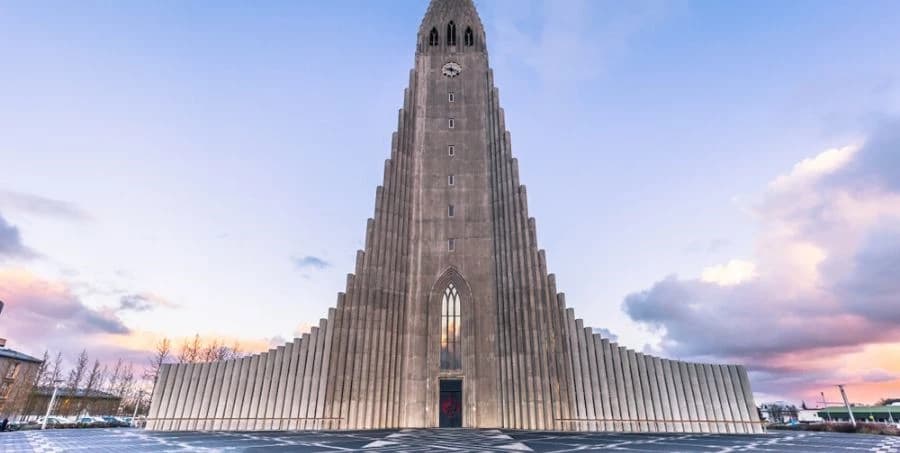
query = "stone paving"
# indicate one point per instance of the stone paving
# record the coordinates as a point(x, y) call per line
point(422, 440)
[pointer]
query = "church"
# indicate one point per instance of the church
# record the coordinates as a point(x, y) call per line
point(450, 318)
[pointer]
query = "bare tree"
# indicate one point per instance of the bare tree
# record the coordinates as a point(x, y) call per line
point(160, 356)
point(42, 371)
point(213, 351)
point(234, 351)
point(191, 350)
point(126, 384)
point(94, 381)
point(95, 378)
point(55, 373)
point(77, 373)
point(113, 382)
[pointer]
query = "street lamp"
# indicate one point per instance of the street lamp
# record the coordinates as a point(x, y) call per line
point(52, 400)
point(136, 406)
point(847, 403)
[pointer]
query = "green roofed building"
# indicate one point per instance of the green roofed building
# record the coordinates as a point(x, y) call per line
point(888, 414)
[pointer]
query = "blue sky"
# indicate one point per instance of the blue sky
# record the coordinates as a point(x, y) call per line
point(220, 158)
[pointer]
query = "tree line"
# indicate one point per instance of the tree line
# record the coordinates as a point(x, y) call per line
point(123, 380)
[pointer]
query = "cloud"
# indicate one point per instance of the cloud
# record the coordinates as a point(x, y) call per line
point(142, 302)
point(730, 273)
point(822, 286)
point(41, 312)
point(605, 333)
point(311, 262)
point(35, 204)
point(879, 375)
point(11, 245)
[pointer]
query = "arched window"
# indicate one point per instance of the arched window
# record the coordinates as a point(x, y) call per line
point(450, 321)
point(433, 39)
point(469, 37)
point(451, 34)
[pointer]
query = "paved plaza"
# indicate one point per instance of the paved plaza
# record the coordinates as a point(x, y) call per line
point(413, 440)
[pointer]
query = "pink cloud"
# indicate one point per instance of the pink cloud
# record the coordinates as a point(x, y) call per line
point(821, 288)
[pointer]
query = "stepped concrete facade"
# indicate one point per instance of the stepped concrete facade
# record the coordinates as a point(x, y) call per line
point(451, 317)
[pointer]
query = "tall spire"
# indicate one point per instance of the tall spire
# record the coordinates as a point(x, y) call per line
point(462, 13)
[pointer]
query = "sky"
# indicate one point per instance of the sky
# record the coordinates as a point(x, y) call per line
point(715, 181)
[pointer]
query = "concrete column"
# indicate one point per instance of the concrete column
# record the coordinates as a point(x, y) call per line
point(332, 397)
point(704, 405)
point(179, 389)
point(291, 386)
point(213, 383)
point(219, 396)
point(664, 398)
point(698, 398)
point(563, 362)
point(243, 374)
point(629, 392)
point(251, 394)
point(307, 384)
point(201, 402)
point(646, 396)
point(315, 375)
point(714, 400)
point(296, 401)
point(738, 399)
point(185, 397)
point(577, 373)
point(756, 424)
point(603, 380)
point(594, 388)
point(612, 385)
point(689, 397)
point(264, 381)
point(209, 401)
point(274, 376)
point(280, 397)
point(637, 392)
point(544, 392)
point(724, 401)
point(160, 398)
point(583, 355)
point(323, 374)
point(680, 400)
point(731, 398)
point(656, 402)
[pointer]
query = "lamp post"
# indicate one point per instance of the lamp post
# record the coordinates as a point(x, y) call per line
point(52, 400)
point(847, 403)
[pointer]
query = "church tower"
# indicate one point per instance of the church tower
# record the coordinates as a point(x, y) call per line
point(450, 318)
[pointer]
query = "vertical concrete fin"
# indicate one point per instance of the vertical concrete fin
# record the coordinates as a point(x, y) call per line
point(755, 424)
point(664, 398)
point(739, 401)
point(323, 373)
point(315, 377)
point(297, 398)
point(612, 392)
point(592, 387)
point(638, 391)
point(160, 398)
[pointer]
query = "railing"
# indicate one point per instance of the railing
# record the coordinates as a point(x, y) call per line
point(282, 422)
point(761, 423)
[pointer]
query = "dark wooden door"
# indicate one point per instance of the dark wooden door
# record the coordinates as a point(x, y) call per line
point(451, 404)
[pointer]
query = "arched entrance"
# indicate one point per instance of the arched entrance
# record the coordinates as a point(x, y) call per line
point(453, 349)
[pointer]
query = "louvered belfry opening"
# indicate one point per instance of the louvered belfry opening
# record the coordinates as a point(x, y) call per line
point(451, 291)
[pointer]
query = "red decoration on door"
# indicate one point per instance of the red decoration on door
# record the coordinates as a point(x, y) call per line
point(450, 406)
